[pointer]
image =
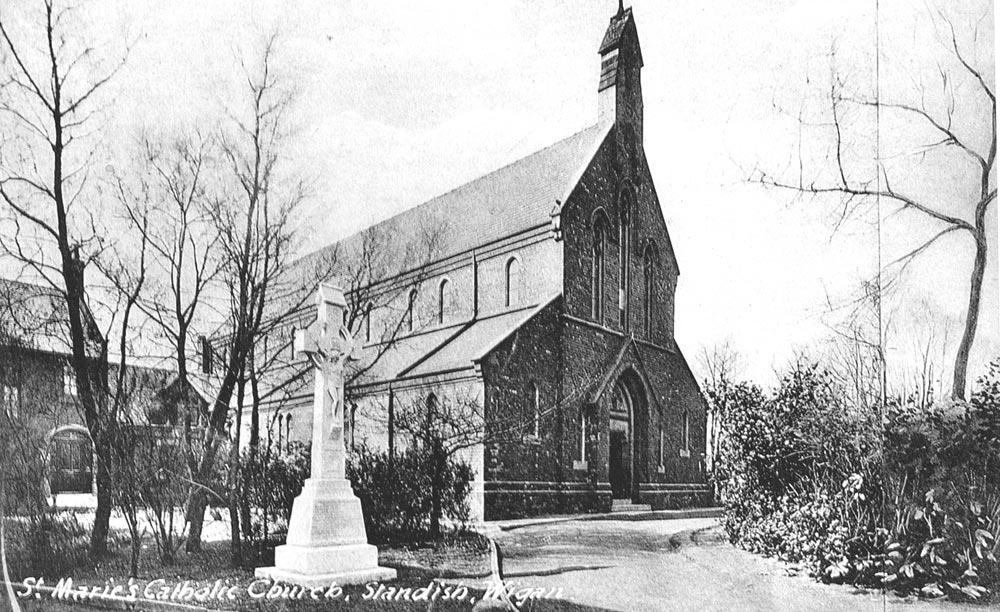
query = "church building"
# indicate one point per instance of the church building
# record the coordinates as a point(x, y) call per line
point(541, 293)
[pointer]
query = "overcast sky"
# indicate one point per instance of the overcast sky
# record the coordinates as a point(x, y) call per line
point(401, 101)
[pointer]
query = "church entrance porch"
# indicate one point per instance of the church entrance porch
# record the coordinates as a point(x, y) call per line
point(619, 468)
point(628, 407)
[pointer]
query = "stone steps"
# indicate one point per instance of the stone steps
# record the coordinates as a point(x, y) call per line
point(624, 505)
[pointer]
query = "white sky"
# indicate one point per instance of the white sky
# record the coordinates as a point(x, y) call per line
point(401, 101)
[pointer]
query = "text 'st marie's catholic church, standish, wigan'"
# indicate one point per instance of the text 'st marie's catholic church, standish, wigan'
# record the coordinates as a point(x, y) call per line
point(547, 301)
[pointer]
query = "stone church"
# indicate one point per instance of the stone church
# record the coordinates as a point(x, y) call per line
point(548, 302)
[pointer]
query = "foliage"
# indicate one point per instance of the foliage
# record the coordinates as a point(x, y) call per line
point(45, 544)
point(269, 483)
point(396, 492)
point(910, 502)
point(149, 464)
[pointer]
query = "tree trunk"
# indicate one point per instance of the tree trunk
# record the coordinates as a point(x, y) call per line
point(203, 476)
point(236, 541)
point(254, 447)
point(972, 317)
point(196, 518)
point(102, 514)
point(136, 548)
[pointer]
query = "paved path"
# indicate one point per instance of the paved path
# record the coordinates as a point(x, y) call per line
point(672, 565)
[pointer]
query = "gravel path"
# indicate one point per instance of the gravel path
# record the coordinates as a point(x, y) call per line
point(674, 565)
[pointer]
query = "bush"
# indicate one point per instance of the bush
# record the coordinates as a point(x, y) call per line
point(269, 484)
point(911, 503)
point(48, 544)
point(396, 494)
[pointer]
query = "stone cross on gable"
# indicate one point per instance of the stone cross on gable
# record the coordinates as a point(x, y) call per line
point(328, 345)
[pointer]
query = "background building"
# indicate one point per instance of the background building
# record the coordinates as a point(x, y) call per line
point(39, 395)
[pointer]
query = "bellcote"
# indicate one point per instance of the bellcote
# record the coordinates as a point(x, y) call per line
point(619, 91)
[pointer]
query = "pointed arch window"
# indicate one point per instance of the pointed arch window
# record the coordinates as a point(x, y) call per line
point(411, 301)
point(662, 444)
point(536, 410)
point(648, 289)
point(624, 253)
point(368, 321)
point(597, 270)
point(686, 434)
point(444, 300)
point(512, 293)
point(583, 436)
point(351, 417)
point(288, 432)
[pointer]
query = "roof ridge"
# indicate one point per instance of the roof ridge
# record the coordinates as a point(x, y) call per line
point(451, 191)
point(503, 167)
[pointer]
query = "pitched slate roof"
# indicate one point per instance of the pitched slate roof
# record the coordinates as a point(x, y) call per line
point(446, 349)
point(504, 202)
point(33, 316)
point(475, 340)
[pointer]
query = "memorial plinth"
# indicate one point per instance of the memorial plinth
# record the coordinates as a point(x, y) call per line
point(327, 542)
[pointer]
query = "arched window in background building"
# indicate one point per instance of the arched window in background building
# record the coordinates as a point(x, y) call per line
point(368, 321)
point(513, 284)
point(444, 299)
point(597, 271)
point(648, 289)
point(686, 439)
point(536, 409)
point(660, 454)
point(350, 415)
point(624, 253)
point(411, 304)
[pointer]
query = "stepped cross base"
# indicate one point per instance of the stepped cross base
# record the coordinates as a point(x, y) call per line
point(327, 542)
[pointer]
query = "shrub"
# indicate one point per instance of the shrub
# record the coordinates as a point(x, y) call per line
point(396, 493)
point(269, 483)
point(47, 544)
point(911, 503)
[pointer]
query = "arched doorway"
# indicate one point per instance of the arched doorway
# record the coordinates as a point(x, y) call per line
point(628, 407)
point(71, 461)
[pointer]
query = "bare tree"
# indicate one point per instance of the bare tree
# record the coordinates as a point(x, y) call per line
point(256, 228)
point(962, 129)
point(48, 93)
point(171, 206)
point(722, 365)
point(854, 354)
point(167, 200)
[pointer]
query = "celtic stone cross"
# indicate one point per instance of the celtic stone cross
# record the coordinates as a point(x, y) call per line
point(328, 345)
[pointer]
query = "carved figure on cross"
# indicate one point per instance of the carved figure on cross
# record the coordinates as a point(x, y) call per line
point(329, 345)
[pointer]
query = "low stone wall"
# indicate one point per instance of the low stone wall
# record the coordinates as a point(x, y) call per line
point(673, 496)
point(521, 499)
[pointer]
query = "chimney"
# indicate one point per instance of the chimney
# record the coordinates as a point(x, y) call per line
point(619, 91)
